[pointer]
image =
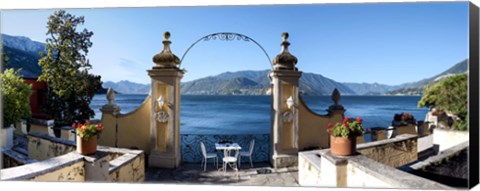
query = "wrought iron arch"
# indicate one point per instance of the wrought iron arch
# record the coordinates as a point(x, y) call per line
point(227, 36)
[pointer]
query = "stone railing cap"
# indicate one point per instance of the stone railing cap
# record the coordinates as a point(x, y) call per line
point(393, 176)
point(398, 138)
point(327, 154)
point(29, 171)
point(46, 122)
point(53, 139)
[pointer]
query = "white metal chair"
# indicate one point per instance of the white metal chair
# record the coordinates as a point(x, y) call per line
point(247, 153)
point(230, 158)
point(207, 156)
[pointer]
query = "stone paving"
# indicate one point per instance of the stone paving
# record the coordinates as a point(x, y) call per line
point(262, 174)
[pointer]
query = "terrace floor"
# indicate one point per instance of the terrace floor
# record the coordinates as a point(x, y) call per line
point(262, 174)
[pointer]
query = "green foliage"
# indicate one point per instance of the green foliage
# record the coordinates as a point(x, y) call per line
point(5, 59)
point(348, 128)
point(449, 94)
point(16, 96)
point(65, 69)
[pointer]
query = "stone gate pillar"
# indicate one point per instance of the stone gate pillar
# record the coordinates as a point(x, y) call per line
point(285, 82)
point(165, 118)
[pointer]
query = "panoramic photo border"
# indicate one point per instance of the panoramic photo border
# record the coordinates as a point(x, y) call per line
point(473, 69)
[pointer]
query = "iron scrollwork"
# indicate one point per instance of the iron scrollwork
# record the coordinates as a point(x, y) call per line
point(226, 37)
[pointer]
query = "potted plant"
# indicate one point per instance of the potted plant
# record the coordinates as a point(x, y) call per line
point(87, 135)
point(403, 119)
point(409, 119)
point(343, 136)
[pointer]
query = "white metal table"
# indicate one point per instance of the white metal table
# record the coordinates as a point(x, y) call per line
point(225, 146)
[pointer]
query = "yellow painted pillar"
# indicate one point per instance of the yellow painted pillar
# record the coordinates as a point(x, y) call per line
point(165, 119)
point(285, 80)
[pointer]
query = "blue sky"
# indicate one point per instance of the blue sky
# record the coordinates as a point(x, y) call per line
point(388, 43)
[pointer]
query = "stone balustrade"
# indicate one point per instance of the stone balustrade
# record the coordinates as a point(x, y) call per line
point(367, 169)
point(58, 161)
point(393, 152)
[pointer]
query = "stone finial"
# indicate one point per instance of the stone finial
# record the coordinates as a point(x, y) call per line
point(166, 35)
point(110, 96)
point(166, 58)
point(336, 107)
point(110, 107)
point(285, 43)
point(335, 96)
point(285, 60)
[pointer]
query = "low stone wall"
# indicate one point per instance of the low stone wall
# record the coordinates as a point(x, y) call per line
point(41, 126)
point(41, 146)
point(444, 139)
point(321, 168)
point(309, 165)
point(130, 130)
point(129, 167)
point(68, 167)
point(191, 152)
point(312, 127)
point(11, 158)
point(393, 152)
point(378, 134)
point(108, 164)
point(449, 167)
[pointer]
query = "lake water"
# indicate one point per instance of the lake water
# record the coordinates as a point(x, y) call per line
point(251, 114)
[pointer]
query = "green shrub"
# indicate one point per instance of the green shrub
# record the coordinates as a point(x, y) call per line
point(449, 94)
point(16, 94)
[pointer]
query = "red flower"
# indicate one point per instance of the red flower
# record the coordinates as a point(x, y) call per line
point(360, 120)
point(330, 125)
point(346, 125)
point(74, 125)
point(98, 126)
point(345, 119)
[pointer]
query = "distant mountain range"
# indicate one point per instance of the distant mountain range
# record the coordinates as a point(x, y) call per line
point(127, 87)
point(416, 88)
point(24, 53)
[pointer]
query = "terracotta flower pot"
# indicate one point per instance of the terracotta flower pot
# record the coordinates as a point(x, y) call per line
point(87, 147)
point(340, 146)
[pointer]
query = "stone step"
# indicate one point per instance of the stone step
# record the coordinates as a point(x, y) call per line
point(20, 150)
point(18, 156)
